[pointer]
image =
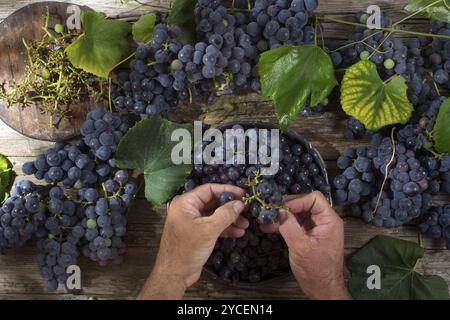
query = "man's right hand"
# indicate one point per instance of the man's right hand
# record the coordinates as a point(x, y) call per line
point(314, 233)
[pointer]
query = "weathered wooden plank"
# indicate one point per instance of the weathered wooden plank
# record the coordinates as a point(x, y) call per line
point(112, 8)
point(115, 7)
point(124, 281)
point(211, 289)
point(19, 277)
point(13, 143)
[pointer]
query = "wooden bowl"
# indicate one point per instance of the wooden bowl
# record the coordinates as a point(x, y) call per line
point(27, 23)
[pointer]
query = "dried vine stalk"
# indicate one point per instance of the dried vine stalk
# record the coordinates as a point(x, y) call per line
point(386, 171)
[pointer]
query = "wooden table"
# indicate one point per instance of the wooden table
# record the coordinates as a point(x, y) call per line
point(18, 273)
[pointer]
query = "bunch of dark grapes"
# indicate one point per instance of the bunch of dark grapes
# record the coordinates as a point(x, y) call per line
point(90, 223)
point(225, 50)
point(416, 172)
point(59, 240)
point(258, 256)
point(156, 79)
point(64, 227)
point(270, 199)
point(70, 164)
point(102, 132)
point(363, 42)
point(393, 56)
point(224, 58)
point(21, 215)
point(418, 135)
point(57, 165)
point(105, 221)
point(355, 129)
point(412, 136)
point(405, 194)
point(437, 54)
point(280, 22)
point(49, 216)
point(84, 162)
point(241, 39)
point(436, 224)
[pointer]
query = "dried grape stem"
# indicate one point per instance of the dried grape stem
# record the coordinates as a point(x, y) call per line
point(417, 12)
point(356, 42)
point(356, 24)
point(386, 171)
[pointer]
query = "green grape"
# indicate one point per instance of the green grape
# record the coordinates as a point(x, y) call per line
point(91, 224)
point(389, 64)
point(176, 65)
point(45, 74)
point(364, 55)
point(108, 242)
point(59, 28)
point(364, 18)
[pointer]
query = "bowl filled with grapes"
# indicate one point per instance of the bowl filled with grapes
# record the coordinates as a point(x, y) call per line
point(257, 256)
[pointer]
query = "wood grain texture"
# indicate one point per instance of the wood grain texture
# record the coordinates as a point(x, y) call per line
point(18, 274)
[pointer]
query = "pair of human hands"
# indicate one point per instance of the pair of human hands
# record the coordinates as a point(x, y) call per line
point(312, 230)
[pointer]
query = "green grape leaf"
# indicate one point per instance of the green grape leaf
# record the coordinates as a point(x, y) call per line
point(293, 76)
point(103, 44)
point(5, 175)
point(147, 147)
point(442, 128)
point(439, 11)
point(397, 260)
point(182, 15)
point(143, 28)
point(370, 100)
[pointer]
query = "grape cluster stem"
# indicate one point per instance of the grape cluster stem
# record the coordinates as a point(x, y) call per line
point(386, 171)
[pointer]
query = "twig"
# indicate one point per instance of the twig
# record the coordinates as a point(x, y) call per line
point(431, 35)
point(386, 171)
point(355, 42)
